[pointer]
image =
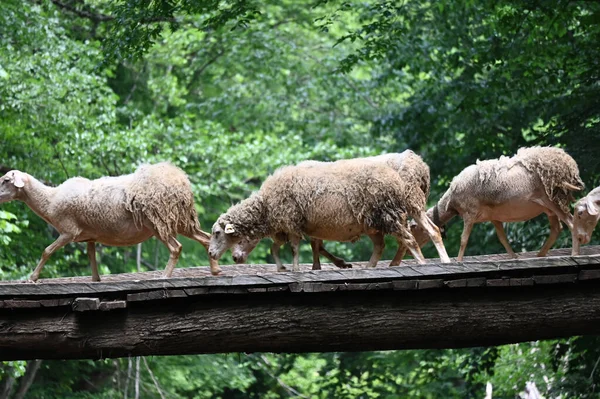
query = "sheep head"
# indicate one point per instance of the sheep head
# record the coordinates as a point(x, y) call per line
point(11, 184)
point(242, 249)
point(224, 236)
point(587, 213)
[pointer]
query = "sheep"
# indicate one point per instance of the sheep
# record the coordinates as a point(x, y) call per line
point(536, 180)
point(329, 202)
point(415, 174)
point(585, 219)
point(155, 200)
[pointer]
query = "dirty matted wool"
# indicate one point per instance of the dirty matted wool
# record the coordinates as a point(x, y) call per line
point(162, 194)
point(555, 168)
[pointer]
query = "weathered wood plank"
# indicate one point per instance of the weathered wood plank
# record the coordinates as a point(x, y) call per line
point(20, 304)
point(112, 305)
point(555, 278)
point(498, 282)
point(429, 284)
point(85, 304)
point(589, 274)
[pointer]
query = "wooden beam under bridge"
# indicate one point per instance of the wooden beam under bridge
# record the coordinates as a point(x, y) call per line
point(486, 300)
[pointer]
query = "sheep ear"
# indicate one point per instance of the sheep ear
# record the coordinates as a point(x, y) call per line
point(591, 207)
point(229, 229)
point(17, 179)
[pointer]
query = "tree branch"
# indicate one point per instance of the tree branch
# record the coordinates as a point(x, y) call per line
point(98, 17)
point(83, 13)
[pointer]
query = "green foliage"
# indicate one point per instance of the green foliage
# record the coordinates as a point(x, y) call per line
point(230, 91)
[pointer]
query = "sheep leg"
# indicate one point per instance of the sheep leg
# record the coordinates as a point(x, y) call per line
point(295, 244)
point(576, 244)
point(60, 242)
point(204, 239)
point(378, 247)
point(555, 229)
point(175, 250)
point(91, 250)
point(399, 254)
point(566, 218)
point(503, 239)
point(339, 262)
point(275, 252)
point(434, 233)
point(464, 238)
point(315, 245)
point(405, 237)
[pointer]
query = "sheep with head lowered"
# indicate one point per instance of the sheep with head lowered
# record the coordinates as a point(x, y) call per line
point(585, 218)
point(415, 174)
point(155, 200)
point(329, 201)
point(536, 180)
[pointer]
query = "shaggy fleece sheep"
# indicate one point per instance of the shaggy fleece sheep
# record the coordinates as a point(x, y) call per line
point(329, 201)
point(155, 200)
point(415, 174)
point(536, 180)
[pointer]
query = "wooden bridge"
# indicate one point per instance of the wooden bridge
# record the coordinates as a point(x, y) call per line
point(486, 300)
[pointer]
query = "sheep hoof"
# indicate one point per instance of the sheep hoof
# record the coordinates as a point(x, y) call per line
point(216, 272)
point(282, 269)
point(343, 265)
point(30, 281)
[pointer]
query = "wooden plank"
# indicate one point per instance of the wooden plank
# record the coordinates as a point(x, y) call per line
point(260, 289)
point(429, 284)
point(458, 283)
point(196, 291)
point(112, 305)
point(498, 282)
point(47, 303)
point(466, 282)
point(589, 274)
point(518, 282)
point(476, 282)
point(85, 304)
point(20, 304)
point(405, 284)
point(275, 289)
point(555, 279)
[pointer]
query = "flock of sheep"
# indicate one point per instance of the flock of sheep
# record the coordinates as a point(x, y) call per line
point(337, 201)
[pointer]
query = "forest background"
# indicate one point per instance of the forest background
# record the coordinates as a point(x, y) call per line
point(231, 90)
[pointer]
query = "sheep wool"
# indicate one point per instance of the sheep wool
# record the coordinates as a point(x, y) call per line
point(554, 168)
point(162, 193)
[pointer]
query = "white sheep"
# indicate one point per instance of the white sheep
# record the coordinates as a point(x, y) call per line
point(536, 180)
point(586, 216)
point(330, 201)
point(155, 200)
point(415, 174)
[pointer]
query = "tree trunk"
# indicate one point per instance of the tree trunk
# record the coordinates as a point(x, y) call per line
point(8, 382)
point(26, 381)
point(137, 377)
